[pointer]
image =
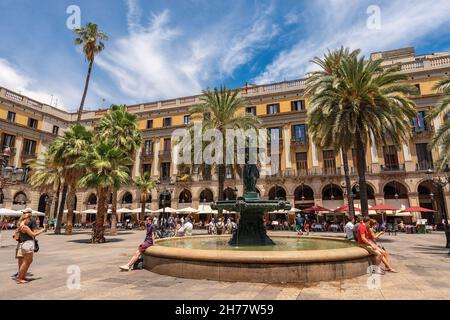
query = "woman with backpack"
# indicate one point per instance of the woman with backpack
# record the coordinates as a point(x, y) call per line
point(26, 247)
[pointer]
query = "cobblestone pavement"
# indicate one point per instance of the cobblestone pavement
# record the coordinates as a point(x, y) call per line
point(421, 260)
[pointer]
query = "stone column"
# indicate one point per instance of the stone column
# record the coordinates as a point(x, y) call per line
point(19, 145)
point(137, 163)
point(156, 158)
point(409, 165)
point(287, 147)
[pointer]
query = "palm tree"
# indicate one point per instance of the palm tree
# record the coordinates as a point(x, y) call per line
point(145, 184)
point(106, 167)
point(222, 106)
point(92, 40)
point(66, 151)
point(328, 73)
point(363, 100)
point(441, 138)
point(120, 127)
point(46, 175)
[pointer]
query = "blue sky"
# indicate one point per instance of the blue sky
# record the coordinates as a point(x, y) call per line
point(166, 49)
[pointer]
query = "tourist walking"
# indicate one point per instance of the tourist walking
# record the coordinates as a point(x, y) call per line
point(148, 242)
point(220, 227)
point(26, 247)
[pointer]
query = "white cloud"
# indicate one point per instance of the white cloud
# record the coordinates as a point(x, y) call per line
point(163, 60)
point(13, 78)
point(340, 23)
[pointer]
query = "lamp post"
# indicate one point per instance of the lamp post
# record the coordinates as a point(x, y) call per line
point(9, 176)
point(441, 181)
point(165, 194)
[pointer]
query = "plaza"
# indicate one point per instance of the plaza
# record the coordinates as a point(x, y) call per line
point(422, 262)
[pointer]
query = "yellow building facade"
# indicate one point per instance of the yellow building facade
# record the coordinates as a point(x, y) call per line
point(307, 175)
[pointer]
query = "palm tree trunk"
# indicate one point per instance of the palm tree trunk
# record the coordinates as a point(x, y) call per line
point(114, 213)
point(70, 208)
point(102, 209)
point(143, 208)
point(61, 210)
point(58, 192)
point(361, 166)
point(348, 185)
point(48, 206)
point(86, 86)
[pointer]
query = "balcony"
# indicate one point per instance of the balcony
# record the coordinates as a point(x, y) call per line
point(299, 144)
point(424, 165)
point(393, 168)
point(426, 133)
point(165, 154)
point(146, 155)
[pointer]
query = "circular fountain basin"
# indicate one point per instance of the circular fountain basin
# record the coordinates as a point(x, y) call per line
point(292, 260)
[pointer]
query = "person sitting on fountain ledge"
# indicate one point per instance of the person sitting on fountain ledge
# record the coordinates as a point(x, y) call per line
point(148, 242)
point(364, 242)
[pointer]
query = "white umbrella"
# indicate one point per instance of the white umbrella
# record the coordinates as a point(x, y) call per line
point(279, 212)
point(139, 210)
point(41, 214)
point(167, 210)
point(90, 211)
point(65, 211)
point(9, 213)
point(187, 210)
point(124, 210)
point(205, 208)
point(294, 209)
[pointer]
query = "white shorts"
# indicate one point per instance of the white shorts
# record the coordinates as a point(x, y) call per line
point(28, 246)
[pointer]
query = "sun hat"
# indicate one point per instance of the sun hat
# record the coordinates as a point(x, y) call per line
point(27, 210)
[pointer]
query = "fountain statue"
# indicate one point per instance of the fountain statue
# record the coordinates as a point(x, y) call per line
point(251, 230)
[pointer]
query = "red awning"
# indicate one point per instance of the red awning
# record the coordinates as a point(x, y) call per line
point(417, 209)
point(384, 207)
point(317, 208)
point(345, 209)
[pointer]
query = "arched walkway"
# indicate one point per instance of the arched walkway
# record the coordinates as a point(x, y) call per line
point(229, 194)
point(429, 198)
point(396, 194)
point(206, 196)
point(185, 196)
point(127, 198)
point(277, 193)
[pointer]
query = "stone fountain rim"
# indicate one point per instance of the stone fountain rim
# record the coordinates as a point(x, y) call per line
point(353, 252)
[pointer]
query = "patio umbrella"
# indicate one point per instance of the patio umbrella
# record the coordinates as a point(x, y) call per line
point(294, 210)
point(41, 214)
point(89, 211)
point(384, 207)
point(206, 209)
point(345, 209)
point(9, 213)
point(417, 209)
point(166, 210)
point(139, 210)
point(187, 210)
point(65, 211)
point(124, 210)
point(403, 214)
point(317, 208)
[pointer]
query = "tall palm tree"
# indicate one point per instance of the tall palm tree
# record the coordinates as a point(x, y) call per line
point(222, 106)
point(66, 151)
point(122, 128)
point(328, 73)
point(145, 184)
point(441, 138)
point(106, 167)
point(92, 40)
point(46, 176)
point(364, 100)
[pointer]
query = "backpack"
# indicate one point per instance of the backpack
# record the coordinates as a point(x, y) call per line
point(16, 235)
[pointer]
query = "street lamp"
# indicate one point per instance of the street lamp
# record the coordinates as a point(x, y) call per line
point(163, 221)
point(441, 181)
point(9, 176)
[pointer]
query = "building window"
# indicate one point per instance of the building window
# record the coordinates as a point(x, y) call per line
point(32, 123)
point(251, 110)
point(8, 140)
point(299, 133)
point(301, 159)
point(273, 108)
point(165, 171)
point(424, 157)
point(147, 167)
point(274, 135)
point(29, 147)
point(167, 144)
point(149, 124)
point(148, 148)
point(11, 116)
point(418, 88)
point(298, 105)
point(167, 122)
point(329, 162)
point(390, 158)
point(420, 124)
point(55, 129)
point(187, 119)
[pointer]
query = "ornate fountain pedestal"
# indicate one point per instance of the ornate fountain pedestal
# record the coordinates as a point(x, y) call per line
point(251, 229)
